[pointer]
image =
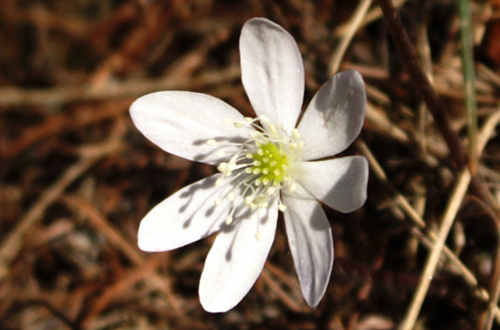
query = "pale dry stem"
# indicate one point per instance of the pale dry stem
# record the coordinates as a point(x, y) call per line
point(353, 25)
point(433, 241)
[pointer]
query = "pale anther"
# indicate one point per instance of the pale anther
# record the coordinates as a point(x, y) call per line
point(282, 207)
point(211, 142)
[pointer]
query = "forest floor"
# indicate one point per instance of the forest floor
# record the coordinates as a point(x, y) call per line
point(77, 177)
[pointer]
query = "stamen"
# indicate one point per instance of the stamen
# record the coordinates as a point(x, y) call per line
point(281, 207)
point(259, 168)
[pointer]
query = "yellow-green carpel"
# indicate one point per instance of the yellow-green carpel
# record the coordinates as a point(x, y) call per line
point(270, 163)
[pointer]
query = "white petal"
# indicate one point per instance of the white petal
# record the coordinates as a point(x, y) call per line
point(339, 183)
point(182, 122)
point(334, 117)
point(272, 71)
point(310, 239)
point(187, 216)
point(237, 258)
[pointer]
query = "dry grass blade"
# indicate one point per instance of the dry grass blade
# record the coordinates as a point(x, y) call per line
point(351, 29)
point(430, 267)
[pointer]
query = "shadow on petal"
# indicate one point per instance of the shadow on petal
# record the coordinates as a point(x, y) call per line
point(341, 94)
point(223, 144)
point(245, 214)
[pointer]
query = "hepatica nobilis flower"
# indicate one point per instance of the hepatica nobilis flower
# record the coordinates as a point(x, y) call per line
point(268, 163)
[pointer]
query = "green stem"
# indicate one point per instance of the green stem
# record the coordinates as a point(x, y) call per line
point(469, 78)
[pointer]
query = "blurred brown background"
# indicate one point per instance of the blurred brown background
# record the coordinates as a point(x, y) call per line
point(76, 177)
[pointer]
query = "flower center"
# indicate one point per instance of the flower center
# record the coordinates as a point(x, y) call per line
point(271, 163)
point(262, 165)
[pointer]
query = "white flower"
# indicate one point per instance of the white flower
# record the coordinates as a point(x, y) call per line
point(265, 164)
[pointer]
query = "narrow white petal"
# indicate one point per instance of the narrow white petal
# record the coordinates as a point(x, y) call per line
point(310, 239)
point(272, 71)
point(334, 117)
point(339, 183)
point(237, 258)
point(187, 216)
point(182, 122)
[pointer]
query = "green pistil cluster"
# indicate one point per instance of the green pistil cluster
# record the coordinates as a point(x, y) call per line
point(270, 163)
